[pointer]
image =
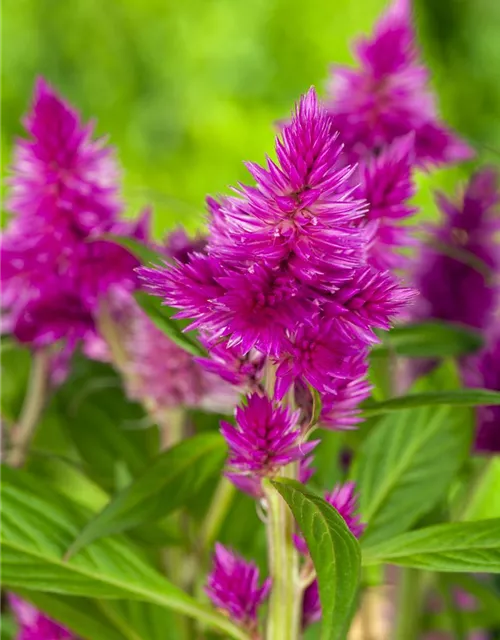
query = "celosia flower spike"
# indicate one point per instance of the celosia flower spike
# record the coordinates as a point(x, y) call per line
point(265, 438)
point(388, 96)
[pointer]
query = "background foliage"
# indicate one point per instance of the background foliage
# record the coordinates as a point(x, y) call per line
point(188, 90)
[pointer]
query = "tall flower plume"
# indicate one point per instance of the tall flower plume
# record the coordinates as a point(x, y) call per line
point(388, 95)
point(284, 272)
point(63, 197)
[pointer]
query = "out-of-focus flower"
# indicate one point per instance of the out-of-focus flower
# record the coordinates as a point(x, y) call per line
point(265, 438)
point(34, 625)
point(311, 605)
point(457, 271)
point(161, 375)
point(344, 499)
point(233, 586)
point(388, 95)
point(63, 197)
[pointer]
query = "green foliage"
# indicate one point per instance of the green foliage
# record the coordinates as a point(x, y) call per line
point(430, 339)
point(334, 551)
point(38, 527)
point(458, 398)
point(171, 479)
point(461, 546)
point(161, 316)
point(407, 465)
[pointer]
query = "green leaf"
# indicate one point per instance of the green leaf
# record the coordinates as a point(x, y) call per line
point(406, 466)
point(171, 479)
point(39, 525)
point(455, 614)
point(429, 340)
point(160, 316)
point(485, 500)
point(335, 553)
point(456, 398)
point(458, 547)
point(141, 251)
point(92, 407)
point(316, 406)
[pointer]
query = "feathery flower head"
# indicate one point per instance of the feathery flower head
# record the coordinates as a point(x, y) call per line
point(284, 272)
point(302, 209)
point(389, 96)
point(316, 354)
point(63, 197)
point(233, 586)
point(265, 438)
point(34, 625)
point(456, 271)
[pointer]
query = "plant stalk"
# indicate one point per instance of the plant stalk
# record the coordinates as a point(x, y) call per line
point(408, 605)
point(283, 618)
point(34, 401)
point(217, 512)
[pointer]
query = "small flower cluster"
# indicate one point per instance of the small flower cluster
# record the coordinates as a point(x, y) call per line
point(233, 587)
point(64, 198)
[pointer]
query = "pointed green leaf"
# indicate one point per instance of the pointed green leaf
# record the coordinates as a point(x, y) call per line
point(456, 398)
point(429, 340)
point(171, 479)
point(141, 251)
point(462, 546)
point(335, 553)
point(407, 464)
point(161, 317)
point(38, 526)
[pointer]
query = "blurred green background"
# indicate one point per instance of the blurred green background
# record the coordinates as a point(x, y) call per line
point(189, 89)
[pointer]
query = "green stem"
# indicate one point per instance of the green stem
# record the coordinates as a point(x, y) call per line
point(217, 512)
point(34, 401)
point(408, 605)
point(283, 621)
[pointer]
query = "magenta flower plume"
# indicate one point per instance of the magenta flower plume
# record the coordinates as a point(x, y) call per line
point(265, 438)
point(388, 95)
point(34, 625)
point(456, 273)
point(344, 499)
point(284, 274)
point(63, 197)
point(233, 587)
point(386, 184)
